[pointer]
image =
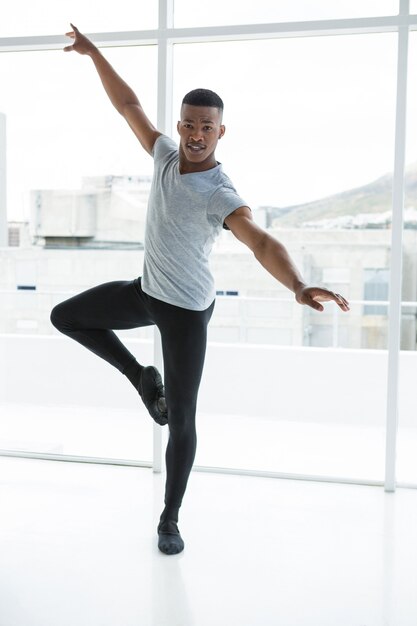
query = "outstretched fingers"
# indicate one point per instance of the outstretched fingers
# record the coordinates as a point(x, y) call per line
point(316, 305)
point(316, 295)
point(70, 48)
point(342, 302)
point(339, 299)
point(72, 34)
point(81, 43)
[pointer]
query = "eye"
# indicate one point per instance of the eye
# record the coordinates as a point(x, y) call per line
point(187, 125)
point(208, 128)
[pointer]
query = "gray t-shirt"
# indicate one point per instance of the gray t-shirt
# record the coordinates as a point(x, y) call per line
point(185, 215)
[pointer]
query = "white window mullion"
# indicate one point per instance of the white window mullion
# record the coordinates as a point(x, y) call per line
point(164, 124)
point(3, 200)
point(234, 32)
point(394, 330)
point(165, 69)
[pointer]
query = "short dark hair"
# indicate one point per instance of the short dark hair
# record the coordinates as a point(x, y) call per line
point(203, 98)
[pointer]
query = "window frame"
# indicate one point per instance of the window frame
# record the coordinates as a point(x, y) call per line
point(166, 36)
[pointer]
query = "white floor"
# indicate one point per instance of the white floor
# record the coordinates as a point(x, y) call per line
point(78, 548)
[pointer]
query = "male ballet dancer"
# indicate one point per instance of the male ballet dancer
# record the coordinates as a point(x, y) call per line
point(191, 200)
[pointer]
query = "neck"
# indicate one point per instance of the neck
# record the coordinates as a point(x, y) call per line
point(187, 167)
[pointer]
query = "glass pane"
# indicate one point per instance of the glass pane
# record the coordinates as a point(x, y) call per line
point(70, 130)
point(302, 411)
point(72, 402)
point(48, 17)
point(407, 433)
point(310, 147)
point(413, 6)
point(264, 11)
point(78, 182)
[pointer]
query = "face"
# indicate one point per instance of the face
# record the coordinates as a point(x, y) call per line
point(200, 129)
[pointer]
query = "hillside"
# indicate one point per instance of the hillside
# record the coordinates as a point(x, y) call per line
point(373, 198)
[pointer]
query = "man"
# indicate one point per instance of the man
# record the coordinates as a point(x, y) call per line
point(191, 200)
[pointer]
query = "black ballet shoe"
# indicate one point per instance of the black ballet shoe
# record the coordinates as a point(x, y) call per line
point(169, 538)
point(152, 392)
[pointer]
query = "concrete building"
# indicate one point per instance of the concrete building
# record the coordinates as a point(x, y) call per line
point(80, 238)
point(106, 211)
point(255, 308)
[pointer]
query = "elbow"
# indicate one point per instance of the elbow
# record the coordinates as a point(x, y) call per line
point(259, 245)
point(121, 108)
point(125, 107)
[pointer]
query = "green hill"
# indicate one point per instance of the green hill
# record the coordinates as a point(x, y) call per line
point(375, 197)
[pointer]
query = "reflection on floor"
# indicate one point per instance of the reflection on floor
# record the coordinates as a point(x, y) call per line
point(78, 548)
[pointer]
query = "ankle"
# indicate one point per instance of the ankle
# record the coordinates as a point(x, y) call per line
point(169, 514)
point(133, 372)
point(168, 527)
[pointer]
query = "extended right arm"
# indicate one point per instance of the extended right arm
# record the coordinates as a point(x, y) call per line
point(121, 95)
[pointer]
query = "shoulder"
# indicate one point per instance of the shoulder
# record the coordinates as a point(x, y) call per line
point(224, 181)
point(222, 186)
point(164, 146)
point(225, 200)
point(224, 193)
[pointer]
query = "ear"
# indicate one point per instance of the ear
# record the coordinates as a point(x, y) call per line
point(222, 131)
point(178, 127)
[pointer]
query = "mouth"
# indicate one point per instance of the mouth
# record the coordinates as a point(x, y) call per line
point(195, 148)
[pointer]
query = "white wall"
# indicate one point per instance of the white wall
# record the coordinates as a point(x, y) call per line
point(297, 384)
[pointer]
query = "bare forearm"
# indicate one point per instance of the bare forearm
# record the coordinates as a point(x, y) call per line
point(118, 91)
point(274, 257)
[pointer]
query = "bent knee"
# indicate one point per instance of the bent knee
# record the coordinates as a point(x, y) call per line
point(57, 317)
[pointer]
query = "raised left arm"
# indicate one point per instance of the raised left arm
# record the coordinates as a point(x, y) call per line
point(274, 257)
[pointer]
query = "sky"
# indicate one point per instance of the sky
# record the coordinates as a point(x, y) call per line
point(48, 16)
point(305, 117)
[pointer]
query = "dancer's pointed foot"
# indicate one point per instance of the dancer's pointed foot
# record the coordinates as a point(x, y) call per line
point(152, 393)
point(169, 538)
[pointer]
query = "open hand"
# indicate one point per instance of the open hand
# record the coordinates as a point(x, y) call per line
point(312, 296)
point(81, 44)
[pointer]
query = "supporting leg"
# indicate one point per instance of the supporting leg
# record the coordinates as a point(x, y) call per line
point(184, 340)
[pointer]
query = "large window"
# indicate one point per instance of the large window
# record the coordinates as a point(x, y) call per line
point(61, 127)
point(307, 120)
point(309, 137)
point(310, 117)
point(65, 141)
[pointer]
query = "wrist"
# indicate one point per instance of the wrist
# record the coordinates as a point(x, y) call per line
point(94, 52)
point(298, 286)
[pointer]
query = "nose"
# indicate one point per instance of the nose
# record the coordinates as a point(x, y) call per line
point(196, 135)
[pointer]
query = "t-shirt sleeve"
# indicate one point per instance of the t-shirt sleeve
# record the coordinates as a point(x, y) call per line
point(223, 202)
point(163, 146)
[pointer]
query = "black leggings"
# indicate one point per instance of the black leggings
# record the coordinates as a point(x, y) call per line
point(90, 318)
